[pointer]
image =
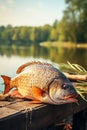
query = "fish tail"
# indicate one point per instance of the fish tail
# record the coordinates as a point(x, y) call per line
point(7, 83)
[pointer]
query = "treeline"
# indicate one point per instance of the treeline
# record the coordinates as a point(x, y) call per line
point(27, 35)
point(72, 27)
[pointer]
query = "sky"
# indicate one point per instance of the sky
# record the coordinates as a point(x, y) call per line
point(30, 12)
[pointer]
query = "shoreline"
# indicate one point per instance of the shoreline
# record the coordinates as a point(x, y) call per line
point(63, 44)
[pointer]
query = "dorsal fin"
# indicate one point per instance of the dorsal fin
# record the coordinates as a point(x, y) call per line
point(21, 68)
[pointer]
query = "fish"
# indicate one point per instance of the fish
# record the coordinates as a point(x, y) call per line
point(40, 81)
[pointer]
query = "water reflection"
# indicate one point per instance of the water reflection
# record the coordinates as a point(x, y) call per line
point(57, 55)
point(12, 57)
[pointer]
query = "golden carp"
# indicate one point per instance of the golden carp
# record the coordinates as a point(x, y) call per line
point(42, 82)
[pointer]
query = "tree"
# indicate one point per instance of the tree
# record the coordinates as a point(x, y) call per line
point(46, 32)
point(75, 19)
point(53, 34)
point(7, 36)
point(23, 34)
point(15, 36)
point(55, 24)
point(1, 30)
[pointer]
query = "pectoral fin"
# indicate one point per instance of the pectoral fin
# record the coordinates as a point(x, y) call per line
point(16, 94)
point(37, 92)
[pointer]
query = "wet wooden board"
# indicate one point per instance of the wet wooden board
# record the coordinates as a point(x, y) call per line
point(25, 115)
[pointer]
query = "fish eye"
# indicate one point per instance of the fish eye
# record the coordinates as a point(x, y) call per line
point(65, 86)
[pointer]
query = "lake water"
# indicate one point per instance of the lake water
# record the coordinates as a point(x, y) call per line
point(12, 57)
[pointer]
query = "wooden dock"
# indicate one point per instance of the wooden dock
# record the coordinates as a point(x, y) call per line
point(24, 115)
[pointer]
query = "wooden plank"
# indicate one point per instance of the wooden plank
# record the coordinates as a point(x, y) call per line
point(24, 105)
point(27, 116)
point(10, 108)
point(5, 112)
point(4, 103)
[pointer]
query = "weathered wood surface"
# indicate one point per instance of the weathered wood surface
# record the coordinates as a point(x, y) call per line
point(24, 115)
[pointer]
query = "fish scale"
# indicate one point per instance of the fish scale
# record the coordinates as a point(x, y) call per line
point(38, 76)
point(43, 82)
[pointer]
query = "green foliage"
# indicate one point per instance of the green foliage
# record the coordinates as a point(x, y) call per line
point(74, 22)
point(72, 27)
point(25, 35)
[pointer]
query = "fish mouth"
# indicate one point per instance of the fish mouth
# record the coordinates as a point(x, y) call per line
point(65, 99)
point(71, 98)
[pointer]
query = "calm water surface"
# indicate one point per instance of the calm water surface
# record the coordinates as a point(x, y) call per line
point(12, 57)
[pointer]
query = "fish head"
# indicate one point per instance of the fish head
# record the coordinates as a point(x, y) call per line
point(62, 91)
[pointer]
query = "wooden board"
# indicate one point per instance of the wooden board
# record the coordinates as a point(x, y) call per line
point(25, 115)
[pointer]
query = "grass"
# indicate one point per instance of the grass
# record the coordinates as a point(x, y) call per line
point(81, 86)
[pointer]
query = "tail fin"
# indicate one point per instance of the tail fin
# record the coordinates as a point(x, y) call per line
point(7, 83)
